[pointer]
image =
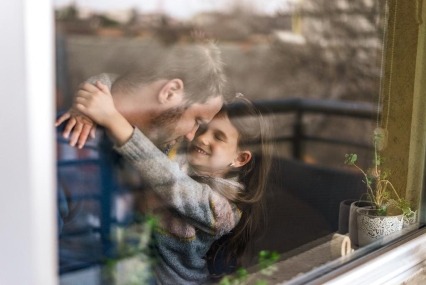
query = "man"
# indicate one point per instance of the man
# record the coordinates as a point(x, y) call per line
point(167, 102)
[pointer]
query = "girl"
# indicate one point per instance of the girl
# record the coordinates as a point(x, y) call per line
point(216, 192)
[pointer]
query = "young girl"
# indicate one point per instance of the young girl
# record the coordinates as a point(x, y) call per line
point(216, 192)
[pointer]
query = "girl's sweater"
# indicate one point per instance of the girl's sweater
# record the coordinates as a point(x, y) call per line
point(194, 216)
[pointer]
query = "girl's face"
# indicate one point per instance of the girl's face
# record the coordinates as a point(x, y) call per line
point(214, 150)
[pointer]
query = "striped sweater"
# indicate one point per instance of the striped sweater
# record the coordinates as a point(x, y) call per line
point(193, 216)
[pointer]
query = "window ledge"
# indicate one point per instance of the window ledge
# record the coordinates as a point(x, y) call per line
point(401, 262)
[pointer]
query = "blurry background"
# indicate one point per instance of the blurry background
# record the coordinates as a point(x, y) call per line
point(310, 49)
point(315, 65)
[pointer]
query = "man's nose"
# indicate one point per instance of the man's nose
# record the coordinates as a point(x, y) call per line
point(190, 136)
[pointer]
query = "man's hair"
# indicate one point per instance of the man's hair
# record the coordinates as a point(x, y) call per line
point(198, 65)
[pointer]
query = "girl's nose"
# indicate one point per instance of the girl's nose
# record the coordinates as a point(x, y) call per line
point(203, 138)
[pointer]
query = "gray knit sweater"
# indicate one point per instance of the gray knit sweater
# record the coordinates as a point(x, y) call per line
point(194, 217)
point(105, 78)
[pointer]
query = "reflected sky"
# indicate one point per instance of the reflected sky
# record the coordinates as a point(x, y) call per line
point(180, 8)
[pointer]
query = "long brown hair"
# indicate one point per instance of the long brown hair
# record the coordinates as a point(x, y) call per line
point(254, 133)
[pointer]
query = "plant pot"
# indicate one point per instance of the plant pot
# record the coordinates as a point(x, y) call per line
point(344, 210)
point(372, 227)
point(353, 219)
point(409, 221)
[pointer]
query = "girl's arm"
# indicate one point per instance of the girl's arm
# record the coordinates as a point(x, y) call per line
point(95, 101)
point(204, 207)
point(196, 201)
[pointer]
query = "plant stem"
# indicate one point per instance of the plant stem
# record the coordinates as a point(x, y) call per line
point(393, 188)
point(369, 189)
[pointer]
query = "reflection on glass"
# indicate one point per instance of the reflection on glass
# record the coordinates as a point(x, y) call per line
point(317, 71)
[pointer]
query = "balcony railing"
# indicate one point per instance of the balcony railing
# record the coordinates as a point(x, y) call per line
point(301, 107)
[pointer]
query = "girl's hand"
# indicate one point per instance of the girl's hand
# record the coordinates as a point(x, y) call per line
point(95, 101)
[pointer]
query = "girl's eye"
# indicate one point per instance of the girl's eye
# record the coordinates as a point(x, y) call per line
point(220, 137)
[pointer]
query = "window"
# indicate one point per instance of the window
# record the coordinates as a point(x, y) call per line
point(333, 78)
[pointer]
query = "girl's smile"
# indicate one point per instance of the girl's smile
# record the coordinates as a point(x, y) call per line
point(199, 150)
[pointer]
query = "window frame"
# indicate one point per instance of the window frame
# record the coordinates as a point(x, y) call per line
point(29, 247)
point(27, 164)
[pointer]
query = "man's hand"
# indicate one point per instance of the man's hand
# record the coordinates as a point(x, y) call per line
point(78, 125)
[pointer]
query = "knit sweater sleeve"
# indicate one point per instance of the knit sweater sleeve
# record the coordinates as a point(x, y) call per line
point(197, 202)
point(105, 78)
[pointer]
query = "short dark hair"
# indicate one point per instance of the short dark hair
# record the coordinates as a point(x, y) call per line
point(198, 65)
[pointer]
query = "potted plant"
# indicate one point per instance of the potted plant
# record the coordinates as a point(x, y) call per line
point(131, 262)
point(387, 211)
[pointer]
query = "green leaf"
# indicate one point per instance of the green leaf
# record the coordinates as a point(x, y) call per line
point(225, 281)
point(351, 158)
point(267, 258)
point(242, 273)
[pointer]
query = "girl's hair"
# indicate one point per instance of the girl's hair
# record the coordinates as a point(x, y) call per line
point(253, 136)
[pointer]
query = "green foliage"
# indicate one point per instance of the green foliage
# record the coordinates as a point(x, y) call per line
point(267, 260)
point(133, 262)
point(351, 158)
point(239, 277)
point(379, 188)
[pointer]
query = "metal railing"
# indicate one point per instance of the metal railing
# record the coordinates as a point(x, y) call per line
point(301, 107)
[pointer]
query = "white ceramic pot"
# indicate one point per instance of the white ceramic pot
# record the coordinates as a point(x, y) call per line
point(372, 227)
point(353, 219)
point(409, 221)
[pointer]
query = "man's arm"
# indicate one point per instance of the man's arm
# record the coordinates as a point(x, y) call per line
point(78, 125)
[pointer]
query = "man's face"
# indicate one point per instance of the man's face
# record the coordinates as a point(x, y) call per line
point(182, 122)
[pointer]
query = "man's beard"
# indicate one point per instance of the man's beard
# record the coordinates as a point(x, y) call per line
point(163, 127)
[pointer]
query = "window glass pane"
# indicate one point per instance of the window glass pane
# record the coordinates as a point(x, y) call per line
point(335, 82)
